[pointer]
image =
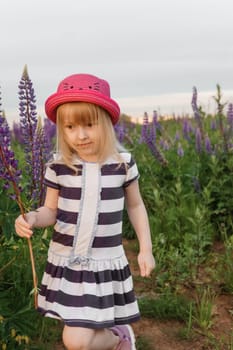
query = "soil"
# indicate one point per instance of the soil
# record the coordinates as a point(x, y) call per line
point(153, 334)
point(169, 335)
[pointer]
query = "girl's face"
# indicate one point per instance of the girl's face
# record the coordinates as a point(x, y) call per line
point(82, 138)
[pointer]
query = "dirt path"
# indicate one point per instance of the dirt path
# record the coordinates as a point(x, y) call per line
point(169, 335)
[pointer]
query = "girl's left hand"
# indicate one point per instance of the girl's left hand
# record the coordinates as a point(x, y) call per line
point(146, 263)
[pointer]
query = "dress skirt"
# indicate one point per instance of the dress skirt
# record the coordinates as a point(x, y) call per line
point(87, 280)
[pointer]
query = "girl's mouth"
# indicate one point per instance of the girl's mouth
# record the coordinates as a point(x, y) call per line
point(83, 145)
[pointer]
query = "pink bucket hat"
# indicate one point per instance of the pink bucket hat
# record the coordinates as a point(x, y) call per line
point(82, 88)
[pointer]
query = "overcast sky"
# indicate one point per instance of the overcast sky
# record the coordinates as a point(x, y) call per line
point(151, 51)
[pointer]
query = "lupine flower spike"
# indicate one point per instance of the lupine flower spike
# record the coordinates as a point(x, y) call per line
point(220, 108)
point(230, 120)
point(28, 121)
point(154, 126)
point(186, 129)
point(156, 152)
point(41, 150)
point(180, 150)
point(120, 132)
point(11, 175)
point(198, 140)
point(208, 146)
point(148, 138)
point(145, 128)
point(197, 113)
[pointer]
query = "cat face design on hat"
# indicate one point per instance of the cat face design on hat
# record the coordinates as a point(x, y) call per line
point(84, 85)
point(83, 88)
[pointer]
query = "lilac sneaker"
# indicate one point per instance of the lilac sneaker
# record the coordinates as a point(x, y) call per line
point(126, 335)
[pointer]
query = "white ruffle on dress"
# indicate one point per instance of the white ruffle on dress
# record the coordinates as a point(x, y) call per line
point(87, 280)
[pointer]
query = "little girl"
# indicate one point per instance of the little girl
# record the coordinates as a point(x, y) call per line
point(87, 282)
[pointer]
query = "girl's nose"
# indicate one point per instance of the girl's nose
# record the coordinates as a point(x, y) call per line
point(81, 133)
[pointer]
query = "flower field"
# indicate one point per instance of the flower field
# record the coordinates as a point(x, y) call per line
point(186, 180)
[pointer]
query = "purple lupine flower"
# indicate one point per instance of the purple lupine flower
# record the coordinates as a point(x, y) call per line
point(230, 116)
point(49, 129)
point(156, 152)
point(11, 175)
point(180, 150)
point(198, 140)
point(27, 106)
point(154, 126)
point(28, 122)
point(17, 133)
point(196, 184)
point(213, 124)
point(194, 104)
point(197, 114)
point(145, 128)
point(208, 146)
point(186, 129)
point(42, 152)
point(9, 171)
point(164, 144)
point(120, 131)
point(148, 138)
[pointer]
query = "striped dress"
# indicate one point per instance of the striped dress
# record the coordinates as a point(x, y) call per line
point(87, 280)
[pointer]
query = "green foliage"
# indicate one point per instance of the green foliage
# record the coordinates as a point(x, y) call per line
point(8, 212)
point(225, 267)
point(165, 306)
point(203, 313)
point(143, 343)
point(217, 185)
point(19, 322)
point(190, 206)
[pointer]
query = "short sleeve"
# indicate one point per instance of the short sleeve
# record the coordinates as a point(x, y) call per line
point(132, 172)
point(50, 178)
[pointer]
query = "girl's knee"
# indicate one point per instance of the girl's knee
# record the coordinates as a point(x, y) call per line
point(76, 344)
point(76, 338)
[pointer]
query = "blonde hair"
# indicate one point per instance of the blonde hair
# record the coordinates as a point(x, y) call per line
point(84, 113)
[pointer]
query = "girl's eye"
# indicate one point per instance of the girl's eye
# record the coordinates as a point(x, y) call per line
point(69, 126)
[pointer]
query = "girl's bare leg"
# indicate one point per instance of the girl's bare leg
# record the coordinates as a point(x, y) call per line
point(78, 338)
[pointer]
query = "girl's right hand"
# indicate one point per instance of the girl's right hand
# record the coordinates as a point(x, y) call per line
point(23, 227)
